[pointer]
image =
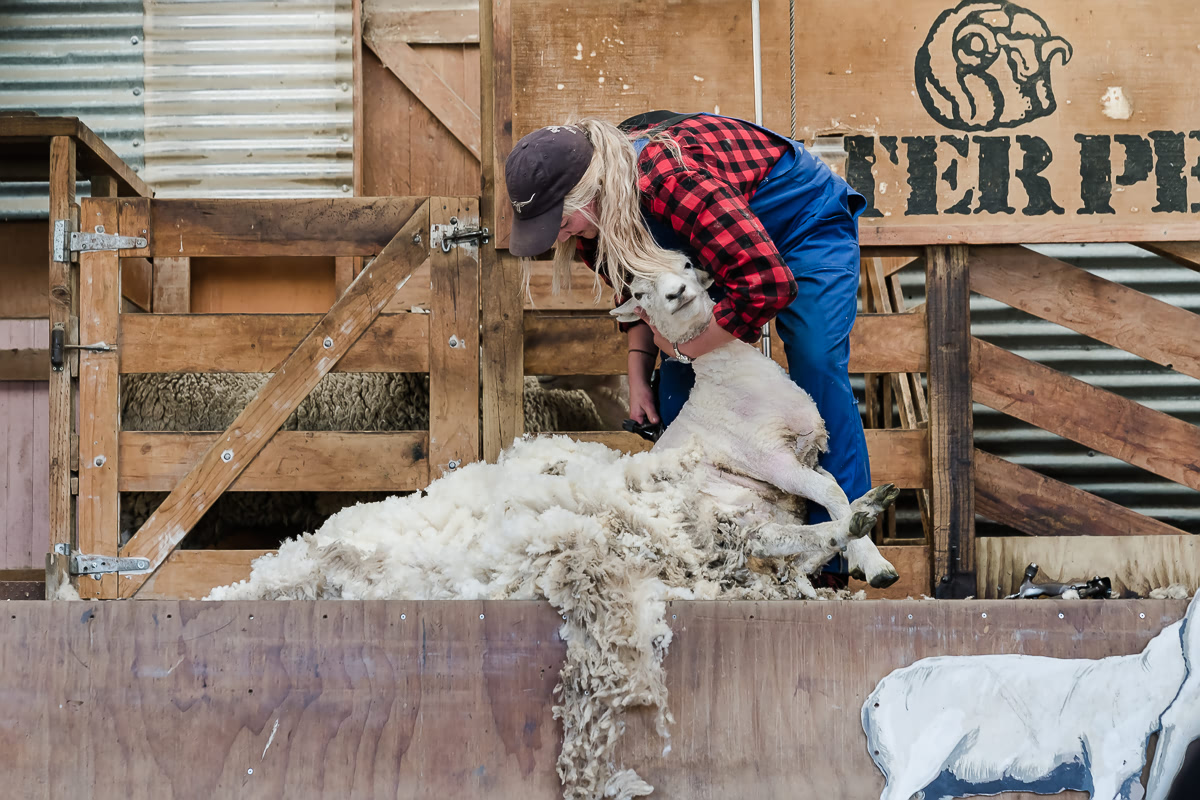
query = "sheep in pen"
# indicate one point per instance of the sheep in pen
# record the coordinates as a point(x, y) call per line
point(608, 539)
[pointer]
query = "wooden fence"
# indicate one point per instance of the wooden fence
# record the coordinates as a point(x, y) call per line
point(298, 349)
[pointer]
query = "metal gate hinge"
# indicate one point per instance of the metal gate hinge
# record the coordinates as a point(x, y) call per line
point(83, 564)
point(68, 242)
point(58, 346)
point(457, 233)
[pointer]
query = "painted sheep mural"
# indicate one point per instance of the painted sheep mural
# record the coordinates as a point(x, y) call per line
point(957, 726)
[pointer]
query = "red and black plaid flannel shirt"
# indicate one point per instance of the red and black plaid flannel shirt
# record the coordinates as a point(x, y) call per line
point(706, 201)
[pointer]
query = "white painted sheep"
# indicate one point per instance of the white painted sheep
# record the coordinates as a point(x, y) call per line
point(956, 726)
point(1181, 722)
point(757, 427)
point(607, 538)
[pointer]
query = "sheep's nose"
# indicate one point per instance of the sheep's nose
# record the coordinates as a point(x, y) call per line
point(675, 295)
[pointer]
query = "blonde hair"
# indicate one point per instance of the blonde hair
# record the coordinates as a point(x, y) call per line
point(625, 247)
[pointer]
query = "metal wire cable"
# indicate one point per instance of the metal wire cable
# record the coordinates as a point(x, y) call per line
point(792, 59)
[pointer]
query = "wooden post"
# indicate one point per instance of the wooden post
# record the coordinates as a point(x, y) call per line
point(948, 313)
point(99, 403)
point(172, 285)
point(64, 301)
point(453, 343)
point(500, 276)
point(245, 438)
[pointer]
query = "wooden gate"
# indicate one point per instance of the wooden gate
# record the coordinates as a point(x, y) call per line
point(299, 349)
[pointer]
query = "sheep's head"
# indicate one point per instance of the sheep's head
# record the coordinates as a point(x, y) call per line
point(676, 303)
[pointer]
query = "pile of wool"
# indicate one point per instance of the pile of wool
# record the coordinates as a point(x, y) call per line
point(1176, 591)
point(606, 538)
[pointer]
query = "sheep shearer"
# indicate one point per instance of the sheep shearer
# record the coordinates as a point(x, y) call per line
point(775, 226)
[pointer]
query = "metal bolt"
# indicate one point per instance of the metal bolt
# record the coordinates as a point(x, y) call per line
point(345, 137)
point(829, 616)
point(1143, 616)
point(136, 92)
point(984, 615)
point(672, 616)
point(99, 229)
point(133, 40)
point(454, 220)
point(481, 616)
point(403, 616)
point(250, 771)
point(227, 456)
point(910, 616)
point(416, 238)
point(453, 464)
point(136, 143)
point(454, 341)
point(345, 87)
point(328, 342)
point(345, 187)
point(99, 461)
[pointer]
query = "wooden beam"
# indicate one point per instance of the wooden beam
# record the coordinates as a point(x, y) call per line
point(1078, 411)
point(192, 574)
point(1186, 254)
point(950, 422)
point(26, 364)
point(453, 343)
point(496, 52)
point(172, 286)
point(425, 22)
point(501, 300)
point(590, 344)
point(64, 305)
point(260, 342)
point(97, 158)
point(1135, 564)
point(292, 461)
point(1039, 506)
point(341, 226)
point(312, 359)
point(429, 87)
point(947, 232)
point(99, 399)
point(1074, 298)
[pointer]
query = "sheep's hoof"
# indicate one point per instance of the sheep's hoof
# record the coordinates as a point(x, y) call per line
point(861, 523)
point(885, 579)
point(881, 496)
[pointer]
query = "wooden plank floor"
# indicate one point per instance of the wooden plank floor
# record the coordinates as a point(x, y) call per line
point(348, 699)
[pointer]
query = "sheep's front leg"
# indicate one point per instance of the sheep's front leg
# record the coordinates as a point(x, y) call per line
point(786, 473)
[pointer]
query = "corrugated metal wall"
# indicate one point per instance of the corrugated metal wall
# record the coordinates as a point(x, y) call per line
point(78, 59)
point(1100, 365)
point(249, 99)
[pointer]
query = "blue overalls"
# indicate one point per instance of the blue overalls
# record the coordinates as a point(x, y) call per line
point(810, 214)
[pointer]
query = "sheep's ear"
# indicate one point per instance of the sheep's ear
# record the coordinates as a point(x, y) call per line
point(627, 311)
point(705, 277)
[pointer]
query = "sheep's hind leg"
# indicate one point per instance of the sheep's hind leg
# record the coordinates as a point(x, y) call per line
point(815, 542)
point(866, 562)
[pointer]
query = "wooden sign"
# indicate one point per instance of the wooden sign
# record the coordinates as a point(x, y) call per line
point(976, 121)
point(1049, 115)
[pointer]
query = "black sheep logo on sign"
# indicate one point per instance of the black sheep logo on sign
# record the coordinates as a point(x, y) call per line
point(986, 65)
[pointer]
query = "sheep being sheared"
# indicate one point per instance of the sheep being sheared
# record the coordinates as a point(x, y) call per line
point(607, 538)
point(755, 426)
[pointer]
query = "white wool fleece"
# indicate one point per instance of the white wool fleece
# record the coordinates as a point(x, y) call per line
point(606, 538)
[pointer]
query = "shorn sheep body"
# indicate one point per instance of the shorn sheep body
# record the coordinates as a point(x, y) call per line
point(607, 538)
point(755, 426)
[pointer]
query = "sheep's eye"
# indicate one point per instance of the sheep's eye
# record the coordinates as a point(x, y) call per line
point(637, 295)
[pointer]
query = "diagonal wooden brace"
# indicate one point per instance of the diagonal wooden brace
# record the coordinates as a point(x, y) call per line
point(312, 359)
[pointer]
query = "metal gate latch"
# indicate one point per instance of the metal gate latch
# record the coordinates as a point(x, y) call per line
point(68, 242)
point(83, 564)
point(58, 346)
point(455, 234)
